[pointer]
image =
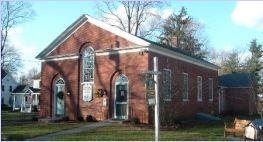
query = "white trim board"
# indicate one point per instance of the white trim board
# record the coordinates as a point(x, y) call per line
point(154, 49)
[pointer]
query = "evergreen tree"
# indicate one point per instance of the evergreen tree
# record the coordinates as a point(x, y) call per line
point(231, 64)
point(254, 65)
point(180, 30)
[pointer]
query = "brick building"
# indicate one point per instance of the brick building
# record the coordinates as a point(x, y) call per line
point(95, 69)
point(237, 94)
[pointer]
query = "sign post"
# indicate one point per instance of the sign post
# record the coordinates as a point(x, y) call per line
point(156, 107)
point(152, 94)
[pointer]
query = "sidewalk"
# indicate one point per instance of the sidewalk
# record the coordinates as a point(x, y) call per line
point(70, 131)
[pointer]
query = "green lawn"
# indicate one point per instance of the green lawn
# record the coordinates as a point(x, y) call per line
point(18, 126)
point(126, 132)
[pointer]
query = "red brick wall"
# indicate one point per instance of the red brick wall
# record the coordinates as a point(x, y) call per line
point(239, 101)
point(98, 38)
point(107, 68)
point(51, 70)
point(177, 108)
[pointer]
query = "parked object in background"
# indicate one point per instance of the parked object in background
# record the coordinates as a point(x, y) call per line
point(254, 130)
point(207, 117)
point(237, 127)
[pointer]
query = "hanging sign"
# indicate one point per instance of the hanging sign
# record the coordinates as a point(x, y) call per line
point(87, 92)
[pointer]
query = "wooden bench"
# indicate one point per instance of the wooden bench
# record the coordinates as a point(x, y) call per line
point(237, 127)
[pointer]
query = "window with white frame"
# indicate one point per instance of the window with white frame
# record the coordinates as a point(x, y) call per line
point(210, 89)
point(199, 88)
point(88, 64)
point(185, 87)
point(167, 84)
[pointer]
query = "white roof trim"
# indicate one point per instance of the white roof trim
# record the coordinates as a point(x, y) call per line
point(118, 31)
point(156, 49)
point(182, 57)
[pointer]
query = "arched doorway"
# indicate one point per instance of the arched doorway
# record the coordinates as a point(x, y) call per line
point(58, 98)
point(121, 97)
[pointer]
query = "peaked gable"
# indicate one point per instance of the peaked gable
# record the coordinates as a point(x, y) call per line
point(99, 35)
point(84, 22)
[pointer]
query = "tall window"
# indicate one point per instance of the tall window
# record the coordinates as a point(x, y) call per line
point(199, 88)
point(210, 89)
point(10, 89)
point(185, 87)
point(88, 65)
point(3, 87)
point(167, 84)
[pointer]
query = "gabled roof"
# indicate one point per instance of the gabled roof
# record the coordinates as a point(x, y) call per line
point(235, 80)
point(34, 90)
point(20, 89)
point(25, 88)
point(178, 50)
point(82, 20)
point(136, 40)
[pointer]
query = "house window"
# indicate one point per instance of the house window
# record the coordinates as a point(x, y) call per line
point(185, 87)
point(3, 87)
point(88, 65)
point(199, 88)
point(167, 84)
point(210, 89)
point(10, 89)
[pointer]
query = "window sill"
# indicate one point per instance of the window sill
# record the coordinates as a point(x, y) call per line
point(185, 100)
point(87, 83)
point(210, 100)
point(168, 100)
point(199, 100)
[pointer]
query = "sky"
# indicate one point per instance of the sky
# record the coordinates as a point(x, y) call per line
point(228, 24)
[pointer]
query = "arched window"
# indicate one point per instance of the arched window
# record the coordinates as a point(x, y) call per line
point(88, 65)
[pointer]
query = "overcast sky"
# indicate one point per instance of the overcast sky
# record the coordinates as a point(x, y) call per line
point(228, 24)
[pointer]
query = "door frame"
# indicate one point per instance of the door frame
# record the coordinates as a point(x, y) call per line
point(115, 94)
point(54, 103)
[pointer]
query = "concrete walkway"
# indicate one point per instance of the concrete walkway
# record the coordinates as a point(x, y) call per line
point(70, 131)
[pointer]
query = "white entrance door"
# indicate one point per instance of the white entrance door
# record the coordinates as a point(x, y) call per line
point(121, 97)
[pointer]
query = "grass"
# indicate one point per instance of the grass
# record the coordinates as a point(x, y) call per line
point(126, 132)
point(18, 126)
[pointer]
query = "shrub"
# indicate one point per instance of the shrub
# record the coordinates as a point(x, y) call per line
point(80, 118)
point(65, 118)
point(5, 107)
point(34, 118)
point(90, 118)
point(135, 120)
point(34, 109)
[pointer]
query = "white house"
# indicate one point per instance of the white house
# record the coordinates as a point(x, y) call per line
point(8, 84)
point(25, 97)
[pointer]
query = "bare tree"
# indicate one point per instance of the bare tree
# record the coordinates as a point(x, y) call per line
point(132, 16)
point(27, 79)
point(10, 59)
point(12, 14)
